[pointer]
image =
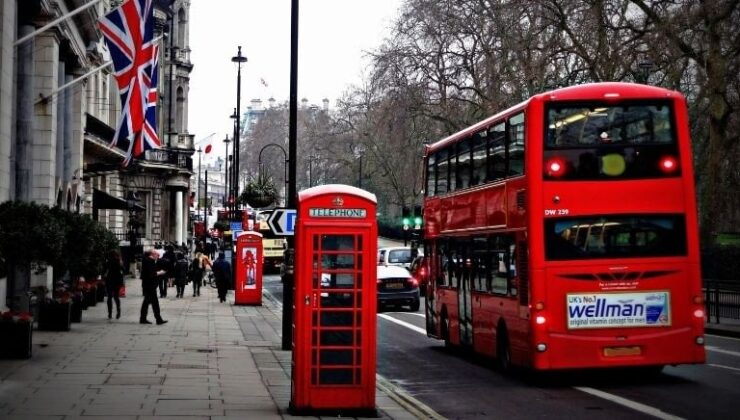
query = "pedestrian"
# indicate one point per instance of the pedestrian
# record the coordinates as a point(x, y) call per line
point(149, 274)
point(197, 268)
point(169, 255)
point(113, 274)
point(222, 272)
point(181, 273)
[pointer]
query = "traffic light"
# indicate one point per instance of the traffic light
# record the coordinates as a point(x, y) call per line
point(406, 217)
point(417, 218)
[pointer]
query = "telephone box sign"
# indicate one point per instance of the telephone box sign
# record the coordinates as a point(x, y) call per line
point(343, 213)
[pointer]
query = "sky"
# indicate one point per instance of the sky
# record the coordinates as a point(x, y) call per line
point(333, 38)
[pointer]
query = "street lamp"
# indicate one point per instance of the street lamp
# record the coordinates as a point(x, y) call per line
point(234, 116)
point(197, 184)
point(226, 171)
point(285, 168)
point(238, 59)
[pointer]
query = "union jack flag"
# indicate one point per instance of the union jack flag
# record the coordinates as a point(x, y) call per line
point(129, 34)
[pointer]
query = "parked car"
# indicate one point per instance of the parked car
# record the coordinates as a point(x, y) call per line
point(420, 271)
point(396, 287)
point(399, 255)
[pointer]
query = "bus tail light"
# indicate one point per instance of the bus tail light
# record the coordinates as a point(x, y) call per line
point(700, 340)
point(540, 320)
point(539, 306)
point(541, 347)
point(668, 164)
point(699, 313)
point(699, 300)
point(555, 167)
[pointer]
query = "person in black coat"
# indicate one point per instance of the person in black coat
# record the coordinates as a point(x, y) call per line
point(222, 272)
point(113, 275)
point(149, 277)
point(181, 273)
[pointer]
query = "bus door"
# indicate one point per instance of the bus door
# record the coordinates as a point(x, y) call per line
point(465, 293)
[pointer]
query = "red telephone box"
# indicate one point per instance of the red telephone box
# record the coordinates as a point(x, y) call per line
point(248, 284)
point(334, 335)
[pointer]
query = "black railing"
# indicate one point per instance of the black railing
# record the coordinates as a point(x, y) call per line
point(722, 300)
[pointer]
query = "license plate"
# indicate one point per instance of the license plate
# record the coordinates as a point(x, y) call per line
point(394, 285)
point(622, 351)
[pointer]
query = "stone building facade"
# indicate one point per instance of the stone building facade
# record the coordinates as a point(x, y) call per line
point(58, 112)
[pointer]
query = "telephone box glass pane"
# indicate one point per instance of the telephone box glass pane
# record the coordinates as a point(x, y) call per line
point(335, 376)
point(337, 242)
point(336, 319)
point(336, 338)
point(335, 357)
point(337, 300)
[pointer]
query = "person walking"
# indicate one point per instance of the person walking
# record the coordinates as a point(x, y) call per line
point(197, 268)
point(169, 254)
point(222, 272)
point(113, 275)
point(164, 265)
point(149, 277)
point(181, 273)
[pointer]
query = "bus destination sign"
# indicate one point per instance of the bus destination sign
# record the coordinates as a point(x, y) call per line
point(338, 213)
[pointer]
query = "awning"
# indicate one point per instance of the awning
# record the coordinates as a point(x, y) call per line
point(103, 200)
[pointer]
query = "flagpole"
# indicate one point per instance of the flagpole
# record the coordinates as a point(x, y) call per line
point(73, 82)
point(55, 22)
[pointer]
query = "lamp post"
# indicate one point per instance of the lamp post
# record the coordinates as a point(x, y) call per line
point(226, 172)
point(285, 167)
point(233, 193)
point(197, 184)
point(238, 59)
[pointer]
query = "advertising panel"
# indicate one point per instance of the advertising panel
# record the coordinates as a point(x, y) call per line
point(618, 310)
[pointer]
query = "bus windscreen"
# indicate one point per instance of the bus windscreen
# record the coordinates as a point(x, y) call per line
point(615, 236)
point(599, 141)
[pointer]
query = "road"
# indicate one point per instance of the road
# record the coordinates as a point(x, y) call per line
point(460, 386)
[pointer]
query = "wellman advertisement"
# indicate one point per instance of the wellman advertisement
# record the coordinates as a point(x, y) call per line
point(618, 310)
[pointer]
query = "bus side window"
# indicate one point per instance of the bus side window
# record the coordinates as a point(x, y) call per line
point(431, 175)
point(496, 153)
point(515, 145)
point(443, 168)
point(464, 166)
point(479, 158)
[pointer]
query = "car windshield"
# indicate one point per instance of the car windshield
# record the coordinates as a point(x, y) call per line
point(401, 256)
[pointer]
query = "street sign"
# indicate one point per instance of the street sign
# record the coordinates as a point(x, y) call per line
point(236, 226)
point(282, 222)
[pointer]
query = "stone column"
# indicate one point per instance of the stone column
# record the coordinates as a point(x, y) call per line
point(7, 98)
point(59, 103)
point(68, 139)
point(24, 116)
point(179, 208)
point(45, 128)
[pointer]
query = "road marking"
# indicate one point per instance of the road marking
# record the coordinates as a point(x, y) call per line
point(723, 367)
point(724, 337)
point(646, 409)
point(723, 351)
point(412, 327)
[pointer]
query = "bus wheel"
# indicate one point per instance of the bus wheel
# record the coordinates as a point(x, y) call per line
point(503, 351)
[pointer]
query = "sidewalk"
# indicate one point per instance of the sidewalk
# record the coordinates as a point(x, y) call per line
point(211, 361)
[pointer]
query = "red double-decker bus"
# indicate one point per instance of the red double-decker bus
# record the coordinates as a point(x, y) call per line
point(562, 232)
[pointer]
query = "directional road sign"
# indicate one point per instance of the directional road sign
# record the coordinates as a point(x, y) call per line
point(282, 221)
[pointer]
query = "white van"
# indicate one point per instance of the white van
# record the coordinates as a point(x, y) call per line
point(399, 255)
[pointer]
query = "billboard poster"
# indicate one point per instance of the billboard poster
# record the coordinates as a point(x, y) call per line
point(618, 310)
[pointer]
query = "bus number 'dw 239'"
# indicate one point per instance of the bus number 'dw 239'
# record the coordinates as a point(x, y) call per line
point(556, 212)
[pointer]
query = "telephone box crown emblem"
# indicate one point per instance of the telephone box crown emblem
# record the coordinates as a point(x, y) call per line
point(338, 201)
